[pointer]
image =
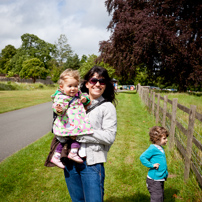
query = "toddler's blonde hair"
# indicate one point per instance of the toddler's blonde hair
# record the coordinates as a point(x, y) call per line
point(67, 74)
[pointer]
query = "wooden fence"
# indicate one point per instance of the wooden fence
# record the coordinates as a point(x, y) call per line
point(191, 147)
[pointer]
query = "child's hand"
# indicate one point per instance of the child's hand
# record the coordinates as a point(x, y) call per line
point(58, 108)
point(87, 105)
point(83, 99)
point(156, 165)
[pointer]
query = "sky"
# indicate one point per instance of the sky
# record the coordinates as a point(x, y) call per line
point(83, 22)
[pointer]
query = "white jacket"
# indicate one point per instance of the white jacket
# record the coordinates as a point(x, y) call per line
point(104, 122)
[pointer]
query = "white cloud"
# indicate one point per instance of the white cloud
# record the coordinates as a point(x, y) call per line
point(83, 22)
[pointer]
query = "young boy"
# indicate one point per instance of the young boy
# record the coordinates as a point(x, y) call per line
point(154, 158)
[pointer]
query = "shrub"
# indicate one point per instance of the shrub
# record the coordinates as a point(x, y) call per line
point(6, 86)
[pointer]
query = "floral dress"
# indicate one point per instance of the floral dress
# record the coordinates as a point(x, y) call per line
point(72, 121)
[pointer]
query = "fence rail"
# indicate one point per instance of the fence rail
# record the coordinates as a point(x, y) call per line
point(183, 138)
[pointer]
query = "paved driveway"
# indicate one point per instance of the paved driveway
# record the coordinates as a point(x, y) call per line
point(21, 127)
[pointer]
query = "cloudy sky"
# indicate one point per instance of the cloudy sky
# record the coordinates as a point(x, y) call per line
point(83, 22)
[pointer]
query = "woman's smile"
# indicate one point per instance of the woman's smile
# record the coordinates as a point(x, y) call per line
point(95, 90)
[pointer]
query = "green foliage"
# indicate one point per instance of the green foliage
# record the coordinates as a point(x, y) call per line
point(63, 50)
point(83, 58)
point(7, 86)
point(37, 48)
point(6, 55)
point(16, 61)
point(10, 74)
point(55, 74)
point(8, 52)
point(86, 66)
point(34, 69)
point(141, 75)
point(55, 70)
point(90, 62)
point(109, 68)
point(32, 47)
point(72, 62)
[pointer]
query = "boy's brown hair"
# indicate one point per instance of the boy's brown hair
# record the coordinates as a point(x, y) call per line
point(67, 74)
point(156, 133)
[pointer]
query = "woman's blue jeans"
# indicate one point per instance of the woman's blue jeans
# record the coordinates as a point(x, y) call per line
point(85, 183)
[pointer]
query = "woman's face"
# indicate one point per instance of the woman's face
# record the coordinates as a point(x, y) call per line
point(96, 88)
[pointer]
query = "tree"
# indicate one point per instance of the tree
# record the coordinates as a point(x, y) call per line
point(34, 47)
point(63, 50)
point(17, 60)
point(62, 58)
point(6, 55)
point(86, 66)
point(72, 62)
point(33, 68)
point(55, 70)
point(83, 58)
point(141, 76)
point(163, 35)
point(90, 62)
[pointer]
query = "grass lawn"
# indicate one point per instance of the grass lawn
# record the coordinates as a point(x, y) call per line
point(25, 178)
point(187, 99)
point(14, 95)
point(12, 100)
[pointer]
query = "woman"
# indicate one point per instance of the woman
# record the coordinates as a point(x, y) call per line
point(85, 181)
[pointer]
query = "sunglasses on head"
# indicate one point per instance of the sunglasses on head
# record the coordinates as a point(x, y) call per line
point(95, 80)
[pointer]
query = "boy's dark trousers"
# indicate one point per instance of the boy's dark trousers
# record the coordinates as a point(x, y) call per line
point(156, 190)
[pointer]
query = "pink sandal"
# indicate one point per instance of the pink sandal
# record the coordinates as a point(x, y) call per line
point(56, 160)
point(75, 157)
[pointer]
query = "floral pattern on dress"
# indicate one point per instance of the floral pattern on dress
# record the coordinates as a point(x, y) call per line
point(72, 121)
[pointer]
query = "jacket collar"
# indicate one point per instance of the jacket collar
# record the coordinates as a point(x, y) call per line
point(94, 102)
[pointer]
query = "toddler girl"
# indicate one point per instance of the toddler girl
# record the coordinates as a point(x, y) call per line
point(71, 118)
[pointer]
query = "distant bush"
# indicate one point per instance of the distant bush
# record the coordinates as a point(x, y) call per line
point(5, 86)
point(24, 86)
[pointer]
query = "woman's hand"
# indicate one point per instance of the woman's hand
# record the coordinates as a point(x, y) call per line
point(58, 108)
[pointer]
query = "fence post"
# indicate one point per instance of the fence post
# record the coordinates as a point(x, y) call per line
point(153, 102)
point(164, 110)
point(173, 123)
point(138, 88)
point(190, 133)
point(147, 96)
point(150, 101)
point(157, 109)
point(143, 95)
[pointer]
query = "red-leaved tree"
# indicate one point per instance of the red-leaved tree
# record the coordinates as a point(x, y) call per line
point(163, 36)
